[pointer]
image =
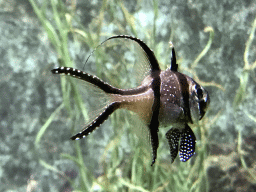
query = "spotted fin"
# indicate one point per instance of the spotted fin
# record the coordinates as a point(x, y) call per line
point(187, 144)
point(96, 122)
point(173, 136)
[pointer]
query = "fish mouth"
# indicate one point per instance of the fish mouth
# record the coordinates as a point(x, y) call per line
point(203, 105)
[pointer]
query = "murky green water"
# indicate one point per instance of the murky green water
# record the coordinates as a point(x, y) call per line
point(36, 153)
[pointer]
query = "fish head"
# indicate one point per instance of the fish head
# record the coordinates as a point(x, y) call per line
point(199, 100)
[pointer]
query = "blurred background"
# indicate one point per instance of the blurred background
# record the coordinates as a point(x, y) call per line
point(215, 45)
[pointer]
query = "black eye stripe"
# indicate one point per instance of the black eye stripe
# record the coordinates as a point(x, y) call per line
point(199, 92)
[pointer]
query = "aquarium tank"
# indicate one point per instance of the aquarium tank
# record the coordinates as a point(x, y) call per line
point(215, 44)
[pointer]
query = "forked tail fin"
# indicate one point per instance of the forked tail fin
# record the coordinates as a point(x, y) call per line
point(105, 87)
point(109, 90)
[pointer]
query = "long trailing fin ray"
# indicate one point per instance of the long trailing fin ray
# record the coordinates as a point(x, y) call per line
point(124, 56)
point(173, 137)
point(85, 77)
point(150, 54)
point(143, 66)
point(94, 80)
point(92, 97)
point(187, 144)
point(96, 122)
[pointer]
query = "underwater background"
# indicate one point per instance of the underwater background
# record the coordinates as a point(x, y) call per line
point(215, 44)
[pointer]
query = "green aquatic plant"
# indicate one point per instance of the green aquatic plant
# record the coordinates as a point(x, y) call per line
point(121, 172)
point(247, 69)
point(58, 32)
point(192, 70)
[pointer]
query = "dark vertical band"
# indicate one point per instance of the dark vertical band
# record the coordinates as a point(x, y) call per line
point(185, 94)
point(154, 122)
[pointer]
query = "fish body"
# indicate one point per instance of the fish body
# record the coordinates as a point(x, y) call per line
point(163, 98)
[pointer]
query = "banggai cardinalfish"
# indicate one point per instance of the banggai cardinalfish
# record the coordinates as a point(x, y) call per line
point(164, 98)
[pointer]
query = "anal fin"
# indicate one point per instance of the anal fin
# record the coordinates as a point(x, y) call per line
point(154, 142)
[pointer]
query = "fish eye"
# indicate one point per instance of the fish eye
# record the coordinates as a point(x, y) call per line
point(199, 92)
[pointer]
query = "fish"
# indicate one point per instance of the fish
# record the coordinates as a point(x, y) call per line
point(163, 98)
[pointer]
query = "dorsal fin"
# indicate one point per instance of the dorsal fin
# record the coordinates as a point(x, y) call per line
point(174, 65)
point(134, 55)
point(150, 54)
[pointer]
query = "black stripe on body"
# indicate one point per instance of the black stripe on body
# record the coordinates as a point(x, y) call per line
point(107, 88)
point(156, 83)
point(97, 122)
point(154, 123)
point(185, 95)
